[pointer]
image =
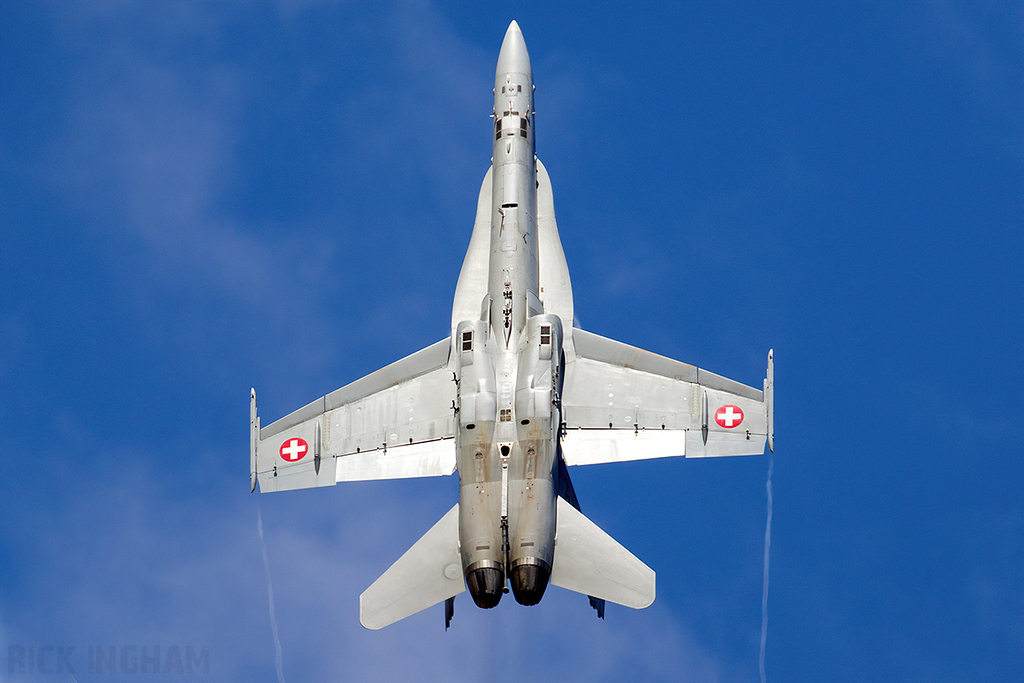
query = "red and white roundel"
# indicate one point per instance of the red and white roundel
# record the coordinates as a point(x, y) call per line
point(293, 450)
point(729, 416)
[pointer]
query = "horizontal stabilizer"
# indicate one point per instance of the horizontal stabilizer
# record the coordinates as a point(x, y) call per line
point(589, 561)
point(428, 573)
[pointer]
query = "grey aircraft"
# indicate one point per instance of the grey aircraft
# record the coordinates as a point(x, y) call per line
point(515, 396)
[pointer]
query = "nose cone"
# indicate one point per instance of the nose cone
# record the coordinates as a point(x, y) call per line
point(513, 57)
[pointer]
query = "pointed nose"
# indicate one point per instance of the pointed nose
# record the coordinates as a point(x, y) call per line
point(513, 57)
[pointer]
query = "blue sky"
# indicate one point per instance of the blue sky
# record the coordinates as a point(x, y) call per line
point(199, 198)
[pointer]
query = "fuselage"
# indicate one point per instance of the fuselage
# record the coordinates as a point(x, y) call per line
point(532, 395)
point(509, 364)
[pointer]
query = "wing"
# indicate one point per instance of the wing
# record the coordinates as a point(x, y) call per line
point(394, 423)
point(623, 403)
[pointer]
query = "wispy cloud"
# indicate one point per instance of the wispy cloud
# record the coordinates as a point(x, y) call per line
point(152, 160)
point(129, 555)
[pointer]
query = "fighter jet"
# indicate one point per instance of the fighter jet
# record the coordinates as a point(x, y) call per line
point(516, 395)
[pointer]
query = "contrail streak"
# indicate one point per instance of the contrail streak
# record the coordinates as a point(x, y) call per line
point(764, 590)
point(270, 598)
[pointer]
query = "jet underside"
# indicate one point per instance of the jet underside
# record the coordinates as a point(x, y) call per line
point(512, 398)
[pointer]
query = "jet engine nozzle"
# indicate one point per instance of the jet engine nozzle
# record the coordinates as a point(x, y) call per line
point(485, 584)
point(529, 581)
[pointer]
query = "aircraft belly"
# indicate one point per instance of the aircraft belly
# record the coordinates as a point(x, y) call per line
point(511, 399)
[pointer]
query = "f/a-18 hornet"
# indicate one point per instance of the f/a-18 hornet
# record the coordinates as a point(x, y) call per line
point(511, 399)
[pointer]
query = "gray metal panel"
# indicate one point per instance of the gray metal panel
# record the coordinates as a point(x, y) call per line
point(713, 381)
point(721, 443)
point(601, 395)
point(595, 446)
point(472, 284)
point(611, 385)
point(769, 399)
point(298, 417)
point(420, 459)
point(419, 363)
point(555, 286)
point(595, 347)
point(301, 475)
point(635, 400)
point(395, 422)
point(416, 410)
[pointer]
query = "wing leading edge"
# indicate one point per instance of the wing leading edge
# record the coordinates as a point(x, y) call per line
point(623, 403)
point(394, 423)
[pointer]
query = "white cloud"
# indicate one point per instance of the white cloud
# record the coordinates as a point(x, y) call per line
point(127, 555)
point(956, 35)
point(152, 158)
point(126, 544)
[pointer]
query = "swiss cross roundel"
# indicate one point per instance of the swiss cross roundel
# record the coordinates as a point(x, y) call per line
point(293, 450)
point(729, 416)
